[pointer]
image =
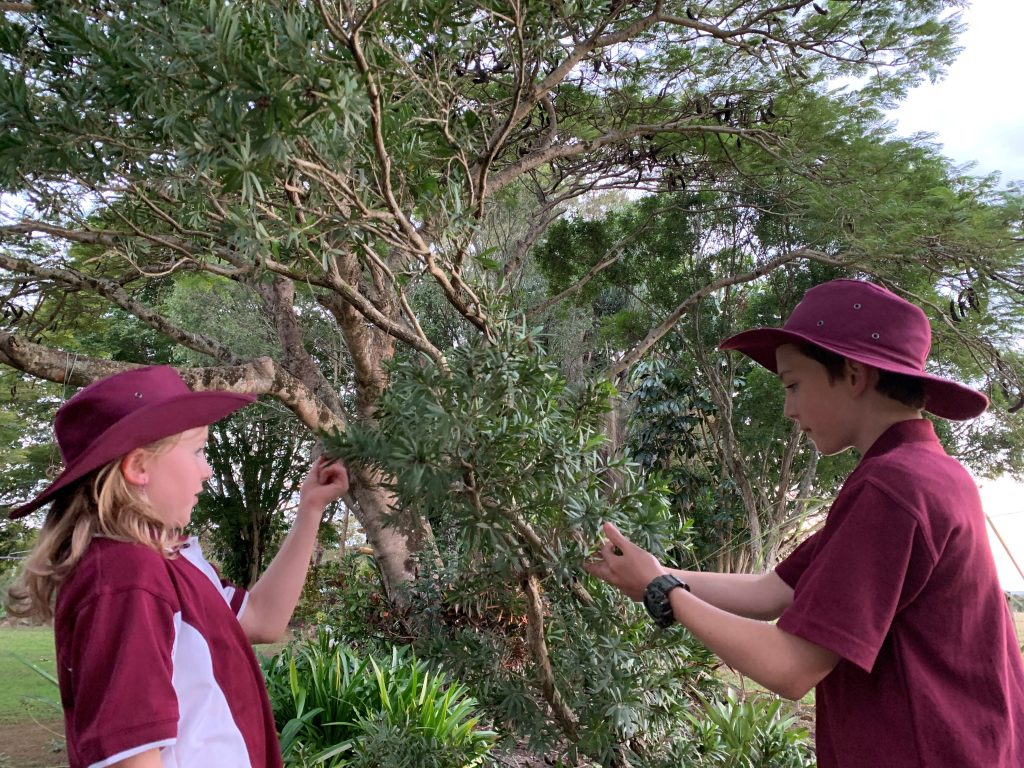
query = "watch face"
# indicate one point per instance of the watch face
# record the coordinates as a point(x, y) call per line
point(656, 599)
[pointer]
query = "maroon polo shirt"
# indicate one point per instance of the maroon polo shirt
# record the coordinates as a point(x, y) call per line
point(901, 584)
point(151, 655)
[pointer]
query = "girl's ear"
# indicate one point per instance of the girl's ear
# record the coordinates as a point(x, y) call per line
point(134, 467)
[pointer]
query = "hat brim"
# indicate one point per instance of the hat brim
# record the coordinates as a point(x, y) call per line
point(945, 398)
point(139, 428)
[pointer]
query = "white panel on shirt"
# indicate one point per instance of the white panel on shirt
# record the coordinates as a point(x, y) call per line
point(194, 554)
point(207, 734)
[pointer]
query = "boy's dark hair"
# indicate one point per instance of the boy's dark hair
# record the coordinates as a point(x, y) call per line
point(908, 390)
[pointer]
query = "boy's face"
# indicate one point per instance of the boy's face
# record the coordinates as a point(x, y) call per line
point(814, 402)
point(176, 477)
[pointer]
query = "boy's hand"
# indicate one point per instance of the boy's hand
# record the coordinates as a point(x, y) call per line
point(623, 564)
point(326, 482)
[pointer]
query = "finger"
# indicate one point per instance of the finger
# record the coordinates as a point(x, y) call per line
point(615, 537)
point(336, 473)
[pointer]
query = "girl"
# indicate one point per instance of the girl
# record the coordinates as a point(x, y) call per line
point(154, 653)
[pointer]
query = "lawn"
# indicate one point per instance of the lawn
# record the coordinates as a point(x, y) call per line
point(23, 691)
point(31, 727)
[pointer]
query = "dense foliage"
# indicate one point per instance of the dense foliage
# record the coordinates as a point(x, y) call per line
point(516, 494)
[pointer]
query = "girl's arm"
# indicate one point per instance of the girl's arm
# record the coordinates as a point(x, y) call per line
point(148, 759)
point(762, 596)
point(274, 596)
point(784, 663)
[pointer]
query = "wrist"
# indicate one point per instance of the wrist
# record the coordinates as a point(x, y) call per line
point(310, 510)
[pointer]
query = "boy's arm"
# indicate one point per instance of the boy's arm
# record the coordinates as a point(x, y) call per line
point(274, 596)
point(761, 596)
point(784, 663)
point(781, 662)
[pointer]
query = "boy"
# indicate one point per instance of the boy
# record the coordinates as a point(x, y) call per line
point(892, 611)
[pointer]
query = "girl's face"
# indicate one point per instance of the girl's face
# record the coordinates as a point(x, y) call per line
point(175, 477)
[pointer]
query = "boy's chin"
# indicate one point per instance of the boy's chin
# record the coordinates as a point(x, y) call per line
point(829, 450)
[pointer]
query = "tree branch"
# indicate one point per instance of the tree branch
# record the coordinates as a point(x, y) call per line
point(259, 377)
point(655, 334)
point(112, 290)
point(564, 716)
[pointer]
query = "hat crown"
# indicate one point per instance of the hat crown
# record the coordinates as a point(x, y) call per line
point(864, 322)
point(90, 413)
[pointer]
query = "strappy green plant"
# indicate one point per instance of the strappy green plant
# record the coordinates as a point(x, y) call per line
point(337, 709)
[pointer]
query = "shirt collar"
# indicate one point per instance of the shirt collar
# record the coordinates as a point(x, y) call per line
point(901, 433)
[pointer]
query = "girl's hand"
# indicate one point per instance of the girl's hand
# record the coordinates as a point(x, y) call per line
point(326, 482)
point(624, 565)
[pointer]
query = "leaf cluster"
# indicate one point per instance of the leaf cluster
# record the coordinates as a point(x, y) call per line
point(508, 463)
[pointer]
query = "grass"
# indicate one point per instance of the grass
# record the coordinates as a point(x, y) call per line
point(24, 693)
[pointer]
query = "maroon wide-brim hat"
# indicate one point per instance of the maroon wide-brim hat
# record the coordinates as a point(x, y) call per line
point(869, 324)
point(128, 410)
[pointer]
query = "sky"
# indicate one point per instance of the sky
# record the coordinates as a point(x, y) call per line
point(976, 111)
point(978, 117)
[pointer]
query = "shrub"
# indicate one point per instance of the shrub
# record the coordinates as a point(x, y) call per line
point(336, 709)
point(756, 732)
point(346, 594)
point(511, 467)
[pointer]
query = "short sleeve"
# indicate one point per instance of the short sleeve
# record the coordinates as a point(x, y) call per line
point(845, 599)
point(792, 568)
point(119, 673)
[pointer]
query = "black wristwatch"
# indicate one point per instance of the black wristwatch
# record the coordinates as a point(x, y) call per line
point(656, 598)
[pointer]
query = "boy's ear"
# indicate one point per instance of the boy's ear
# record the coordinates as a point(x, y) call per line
point(134, 467)
point(861, 377)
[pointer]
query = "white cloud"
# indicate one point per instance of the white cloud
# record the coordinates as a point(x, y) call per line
point(976, 111)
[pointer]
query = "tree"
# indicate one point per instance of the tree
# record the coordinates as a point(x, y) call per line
point(258, 461)
point(348, 155)
point(347, 170)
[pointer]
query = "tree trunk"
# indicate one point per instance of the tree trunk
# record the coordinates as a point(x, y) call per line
point(399, 539)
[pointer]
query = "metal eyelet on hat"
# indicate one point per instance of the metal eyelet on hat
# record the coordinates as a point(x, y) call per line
point(875, 336)
point(821, 322)
point(857, 305)
point(138, 395)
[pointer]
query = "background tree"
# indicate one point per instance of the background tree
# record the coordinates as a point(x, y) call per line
point(258, 461)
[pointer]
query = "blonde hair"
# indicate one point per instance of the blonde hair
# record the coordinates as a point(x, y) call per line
point(103, 503)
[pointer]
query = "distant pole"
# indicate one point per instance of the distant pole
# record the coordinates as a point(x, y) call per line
point(1005, 548)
